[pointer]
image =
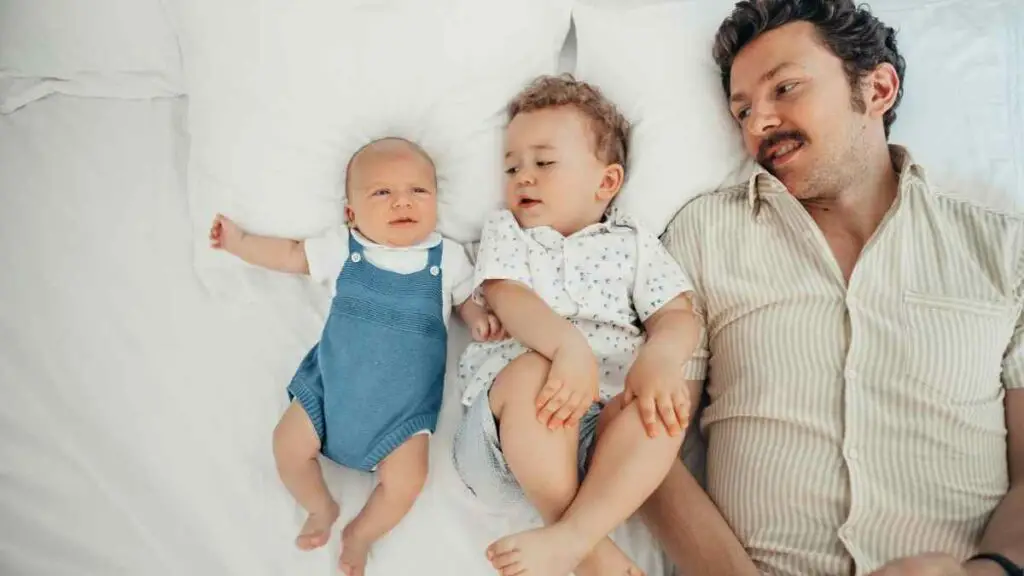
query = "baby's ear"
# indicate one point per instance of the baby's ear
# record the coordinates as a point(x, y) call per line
point(611, 182)
point(350, 216)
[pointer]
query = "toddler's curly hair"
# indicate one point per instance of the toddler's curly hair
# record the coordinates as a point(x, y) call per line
point(609, 126)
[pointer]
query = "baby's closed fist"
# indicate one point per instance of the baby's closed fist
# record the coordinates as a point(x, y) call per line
point(224, 233)
point(487, 328)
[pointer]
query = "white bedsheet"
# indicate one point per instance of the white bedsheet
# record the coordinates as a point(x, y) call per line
point(136, 411)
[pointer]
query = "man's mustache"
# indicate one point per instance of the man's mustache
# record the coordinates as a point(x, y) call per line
point(775, 139)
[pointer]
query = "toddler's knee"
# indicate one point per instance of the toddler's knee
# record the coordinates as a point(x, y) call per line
point(520, 381)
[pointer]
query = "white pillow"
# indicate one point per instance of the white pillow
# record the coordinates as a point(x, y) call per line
point(99, 48)
point(653, 59)
point(962, 115)
point(283, 92)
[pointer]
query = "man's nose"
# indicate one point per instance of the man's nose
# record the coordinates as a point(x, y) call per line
point(763, 120)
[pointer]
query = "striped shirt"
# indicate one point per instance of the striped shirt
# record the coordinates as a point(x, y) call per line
point(851, 425)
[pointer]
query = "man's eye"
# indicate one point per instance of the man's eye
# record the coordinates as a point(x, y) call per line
point(786, 88)
point(742, 114)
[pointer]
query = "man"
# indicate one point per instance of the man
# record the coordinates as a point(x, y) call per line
point(864, 344)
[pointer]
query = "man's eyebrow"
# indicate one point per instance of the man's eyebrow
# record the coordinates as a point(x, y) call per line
point(766, 77)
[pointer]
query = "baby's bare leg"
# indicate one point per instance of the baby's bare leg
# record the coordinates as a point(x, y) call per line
point(401, 478)
point(296, 447)
point(627, 466)
point(544, 463)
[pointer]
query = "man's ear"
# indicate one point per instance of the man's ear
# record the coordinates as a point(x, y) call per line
point(611, 182)
point(881, 86)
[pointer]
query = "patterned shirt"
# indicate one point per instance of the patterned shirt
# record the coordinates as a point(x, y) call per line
point(851, 425)
point(606, 279)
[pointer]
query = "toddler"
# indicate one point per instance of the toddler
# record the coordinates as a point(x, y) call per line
point(368, 394)
point(577, 389)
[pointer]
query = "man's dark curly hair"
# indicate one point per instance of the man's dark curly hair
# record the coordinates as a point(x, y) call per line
point(851, 32)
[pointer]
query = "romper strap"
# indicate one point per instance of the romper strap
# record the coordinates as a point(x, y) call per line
point(355, 249)
point(434, 255)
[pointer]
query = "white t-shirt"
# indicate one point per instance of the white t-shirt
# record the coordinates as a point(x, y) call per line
point(328, 253)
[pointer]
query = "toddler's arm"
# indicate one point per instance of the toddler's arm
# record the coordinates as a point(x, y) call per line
point(572, 383)
point(528, 318)
point(279, 254)
point(656, 378)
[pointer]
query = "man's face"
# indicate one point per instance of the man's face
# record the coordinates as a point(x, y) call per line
point(794, 104)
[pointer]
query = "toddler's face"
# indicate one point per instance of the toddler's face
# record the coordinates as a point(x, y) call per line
point(392, 195)
point(554, 177)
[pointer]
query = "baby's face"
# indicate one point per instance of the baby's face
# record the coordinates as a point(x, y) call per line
point(392, 195)
point(554, 177)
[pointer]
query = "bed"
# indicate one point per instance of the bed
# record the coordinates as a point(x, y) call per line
point(138, 409)
point(138, 402)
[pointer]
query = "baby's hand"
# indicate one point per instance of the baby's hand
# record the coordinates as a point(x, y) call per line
point(571, 387)
point(487, 328)
point(225, 234)
point(656, 383)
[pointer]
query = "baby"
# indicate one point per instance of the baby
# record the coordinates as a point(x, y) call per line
point(368, 394)
point(577, 389)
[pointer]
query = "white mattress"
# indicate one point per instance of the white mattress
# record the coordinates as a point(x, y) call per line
point(136, 411)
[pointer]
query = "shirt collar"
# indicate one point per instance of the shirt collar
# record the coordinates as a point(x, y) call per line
point(762, 184)
point(433, 239)
point(613, 219)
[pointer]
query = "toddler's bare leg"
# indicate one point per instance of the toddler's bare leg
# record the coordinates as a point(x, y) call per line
point(544, 463)
point(401, 478)
point(296, 447)
point(627, 466)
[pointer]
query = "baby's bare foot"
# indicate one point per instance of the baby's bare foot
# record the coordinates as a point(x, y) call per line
point(548, 551)
point(607, 559)
point(354, 551)
point(317, 529)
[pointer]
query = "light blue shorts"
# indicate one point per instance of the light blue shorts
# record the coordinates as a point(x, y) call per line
point(480, 463)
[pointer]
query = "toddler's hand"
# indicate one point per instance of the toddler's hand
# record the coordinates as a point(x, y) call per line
point(656, 383)
point(572, 385)
point(487, 328)
point(225, 234)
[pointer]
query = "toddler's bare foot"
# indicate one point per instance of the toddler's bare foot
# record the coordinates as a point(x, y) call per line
point(548, 551)
point(557, 551)
point(607, 559)
point(317, 529)
point(354, 551)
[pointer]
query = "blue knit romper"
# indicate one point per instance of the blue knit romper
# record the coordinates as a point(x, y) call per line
point(377, 375)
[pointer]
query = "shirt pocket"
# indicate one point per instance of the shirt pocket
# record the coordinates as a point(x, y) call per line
point(954, 345)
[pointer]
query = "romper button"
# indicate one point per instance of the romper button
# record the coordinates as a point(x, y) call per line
point(434, 270)
point(356, 257)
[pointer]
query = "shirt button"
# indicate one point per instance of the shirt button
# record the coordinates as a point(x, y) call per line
point(356, 257)
point(434, 270)
point(852, 454)
point(851, 374)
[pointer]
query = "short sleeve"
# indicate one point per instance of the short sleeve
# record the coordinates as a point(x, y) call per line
point(503, 253)
point(680, 241)
point(659, 279)
point(457, 271)
point(326, 254)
